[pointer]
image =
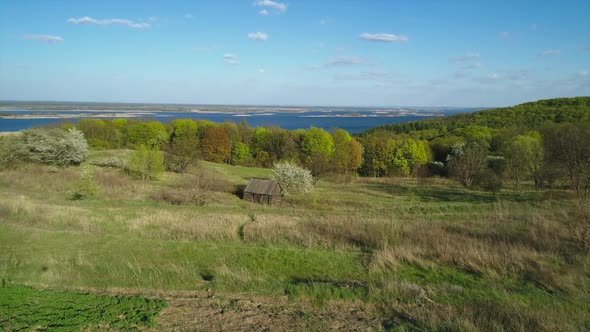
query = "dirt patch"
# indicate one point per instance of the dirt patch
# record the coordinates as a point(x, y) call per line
point(254, 314)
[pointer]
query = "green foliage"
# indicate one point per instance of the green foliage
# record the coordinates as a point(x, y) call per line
point(152, 134)
point(524, 158)
point(25, 308)
point(183, 128)
point(347, 152)
point(316, 141)
point(146, 163)
point(240, 153)
point(466, 161)
point(86, 187)
point(532, 115)
point(181, 153)
point(12, 151)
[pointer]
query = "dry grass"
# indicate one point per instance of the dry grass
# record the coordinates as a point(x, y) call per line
point(186, 225)
point(25, 211)
point(337, 232)
point(497, 245)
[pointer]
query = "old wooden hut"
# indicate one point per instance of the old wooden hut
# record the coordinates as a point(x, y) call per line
point(263, 191)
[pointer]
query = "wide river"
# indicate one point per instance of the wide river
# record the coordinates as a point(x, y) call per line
point(353, 120)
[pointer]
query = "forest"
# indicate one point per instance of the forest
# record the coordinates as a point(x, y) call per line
point(543, 142)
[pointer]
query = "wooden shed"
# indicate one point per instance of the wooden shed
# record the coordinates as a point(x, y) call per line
point(263, 191)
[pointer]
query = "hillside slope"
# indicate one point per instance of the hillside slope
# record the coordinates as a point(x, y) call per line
point(528, 115)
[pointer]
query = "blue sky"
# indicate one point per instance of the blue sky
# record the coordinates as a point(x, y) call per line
point(357, 53)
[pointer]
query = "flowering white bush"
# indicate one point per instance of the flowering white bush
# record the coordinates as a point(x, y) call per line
point(293, 179)
point(55, 146)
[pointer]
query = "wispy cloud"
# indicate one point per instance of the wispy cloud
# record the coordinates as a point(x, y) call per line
point(383, 37)
point(231, 59)
point(45, 38)
point(505, 34)
point(534, 27)
point(258, 36)
point(263, 12)
point(466, 58)
point(90, 20)
point(323, 21)
point(344, 61)
point(188, 16)
point(279, 6)
point(550, 52)
point(489, 79)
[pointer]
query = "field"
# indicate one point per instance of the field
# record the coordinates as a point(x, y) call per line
point(358, 253)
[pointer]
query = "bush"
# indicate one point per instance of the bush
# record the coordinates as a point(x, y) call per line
point(488, 180)
point(147, 164)
point(180, 196)
point(55, 146)
point(12, 150)
point(293, 179)
point(86, 187)
point(108, 162)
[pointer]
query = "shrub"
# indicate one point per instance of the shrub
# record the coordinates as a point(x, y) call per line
point(181, 153)
point(55, 146)
point(488, 180)
point(293, 179)
point(86, 187)
point(12, 150)
point(146, 163)
point(180, 196)
point(108, 162)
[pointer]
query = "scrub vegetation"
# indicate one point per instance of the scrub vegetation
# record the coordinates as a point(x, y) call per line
point(388, 252)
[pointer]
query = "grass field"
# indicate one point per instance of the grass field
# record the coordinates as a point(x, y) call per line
point(398, 254)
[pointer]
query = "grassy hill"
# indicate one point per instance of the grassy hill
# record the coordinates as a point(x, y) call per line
point(391, 253)
point(532, 115)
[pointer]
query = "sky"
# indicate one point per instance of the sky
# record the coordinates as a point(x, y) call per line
point(295, 52)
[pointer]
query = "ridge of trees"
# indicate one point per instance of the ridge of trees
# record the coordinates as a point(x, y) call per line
point(546, 142)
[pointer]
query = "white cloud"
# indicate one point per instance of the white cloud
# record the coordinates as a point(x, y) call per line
point(279, 6)
point(45, 38)
point(261, 70)
point(466, 58)
point(90, 20)
point(383, 37)
point(258, 36)
point(231, 59)
point(263, 12)
point(344, 61)
point(550, 52)
point(474, 65)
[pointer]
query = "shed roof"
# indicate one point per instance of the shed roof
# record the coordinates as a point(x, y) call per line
point(261, 187)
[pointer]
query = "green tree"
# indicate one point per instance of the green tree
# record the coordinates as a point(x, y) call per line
point(317, 147)
point(183, 128)
point(342, 151)
point(516, 154)
point(181, 153)
point(568, 150)
point(146, 163)
point(317, 141)
point(240, 153)
point(152, 134)
point(466, 161)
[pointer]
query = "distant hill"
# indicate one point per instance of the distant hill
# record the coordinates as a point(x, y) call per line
point(528, 115)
